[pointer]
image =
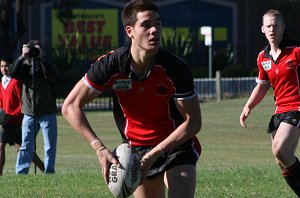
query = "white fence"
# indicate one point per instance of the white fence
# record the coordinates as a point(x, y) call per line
point(230, 87)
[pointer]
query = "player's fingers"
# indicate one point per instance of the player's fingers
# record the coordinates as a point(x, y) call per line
point(104, 175)
point(243, 117)
point(116, 162)
point(242, 120)
point(243, 124)
point(105, 172)
point(146, 164)
point(104, 157)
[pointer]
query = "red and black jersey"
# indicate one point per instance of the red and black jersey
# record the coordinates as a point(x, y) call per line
point(144, 109)
point(283, 74)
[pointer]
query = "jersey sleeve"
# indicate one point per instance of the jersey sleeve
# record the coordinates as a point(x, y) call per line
point(98, 75)
point(182, 78)
point(262, 77)
point(184, 85)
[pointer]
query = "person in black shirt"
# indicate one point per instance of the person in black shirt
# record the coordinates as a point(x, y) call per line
point(38, 106)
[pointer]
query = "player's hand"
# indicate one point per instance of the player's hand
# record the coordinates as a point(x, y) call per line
point(106, 158)
point(146, 162)
point(245, 113)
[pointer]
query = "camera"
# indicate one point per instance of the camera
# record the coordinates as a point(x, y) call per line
point(33, 52)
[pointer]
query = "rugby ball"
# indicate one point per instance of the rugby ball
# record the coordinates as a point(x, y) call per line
point(2, 115)
point(124, 180)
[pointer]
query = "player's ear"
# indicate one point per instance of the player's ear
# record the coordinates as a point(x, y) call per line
point(262, 29)
point(128, 30)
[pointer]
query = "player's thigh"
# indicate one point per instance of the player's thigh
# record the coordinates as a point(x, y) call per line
point(286, 137)
point(151, 188)
point(181, 181)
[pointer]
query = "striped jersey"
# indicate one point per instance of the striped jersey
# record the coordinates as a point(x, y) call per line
point(144, 109)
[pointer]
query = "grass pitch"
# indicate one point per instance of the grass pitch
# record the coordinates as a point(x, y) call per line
point(235, 162)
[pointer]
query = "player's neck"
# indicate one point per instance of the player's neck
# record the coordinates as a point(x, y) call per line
point(141, 61)
point(275, 52)
point(141, 70)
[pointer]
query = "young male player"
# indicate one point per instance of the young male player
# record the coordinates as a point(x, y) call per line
point(155, 106)
point(278, 66)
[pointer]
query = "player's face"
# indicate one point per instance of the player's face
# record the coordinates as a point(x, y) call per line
point(4, 68)
point(273, 29)
point(146, 32)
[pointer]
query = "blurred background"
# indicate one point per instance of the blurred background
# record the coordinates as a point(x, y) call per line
point(74, 33)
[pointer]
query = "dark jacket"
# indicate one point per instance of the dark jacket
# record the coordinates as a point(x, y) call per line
point(41, 89)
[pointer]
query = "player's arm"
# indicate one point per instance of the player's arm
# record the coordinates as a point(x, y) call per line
point(190, 110)
point(191, 113)
point(72, 111)
point(256, 96)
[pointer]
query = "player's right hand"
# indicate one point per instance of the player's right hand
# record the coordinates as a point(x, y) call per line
point(106, 158)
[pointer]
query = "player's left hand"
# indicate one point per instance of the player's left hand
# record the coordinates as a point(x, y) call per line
point(146, 162)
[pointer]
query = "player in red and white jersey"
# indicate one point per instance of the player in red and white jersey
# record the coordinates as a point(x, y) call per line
point(282, 74)
point(155, 106)
point(278, 66)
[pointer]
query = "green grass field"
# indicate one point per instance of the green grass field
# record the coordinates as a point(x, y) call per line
point(235, 162)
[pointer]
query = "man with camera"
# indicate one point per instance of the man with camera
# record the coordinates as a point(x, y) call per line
point(38, 106)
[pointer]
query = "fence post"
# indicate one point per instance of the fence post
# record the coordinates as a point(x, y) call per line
point(219, 91)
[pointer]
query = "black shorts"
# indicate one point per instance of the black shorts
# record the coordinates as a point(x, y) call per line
point(291, 117)
point(187, 153)
point(11, 134)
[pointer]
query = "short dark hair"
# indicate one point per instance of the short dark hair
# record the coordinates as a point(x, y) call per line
point(33, 43)
point(129, 13)
point(7, 59)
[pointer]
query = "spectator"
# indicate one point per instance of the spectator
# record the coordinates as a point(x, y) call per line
point(38, 106)
point(10, 102)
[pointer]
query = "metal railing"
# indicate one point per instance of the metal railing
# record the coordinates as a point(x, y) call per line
point(230, 87)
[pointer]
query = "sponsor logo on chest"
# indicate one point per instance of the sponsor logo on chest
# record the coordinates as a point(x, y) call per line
point(267, 65)
point(122, 85)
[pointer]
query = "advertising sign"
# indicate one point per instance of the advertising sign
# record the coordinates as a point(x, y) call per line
point(88, 28)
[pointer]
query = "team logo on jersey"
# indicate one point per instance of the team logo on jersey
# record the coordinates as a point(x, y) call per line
point(266, 65)
point(122, 85)
point(290, 64)
point(161, 90)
